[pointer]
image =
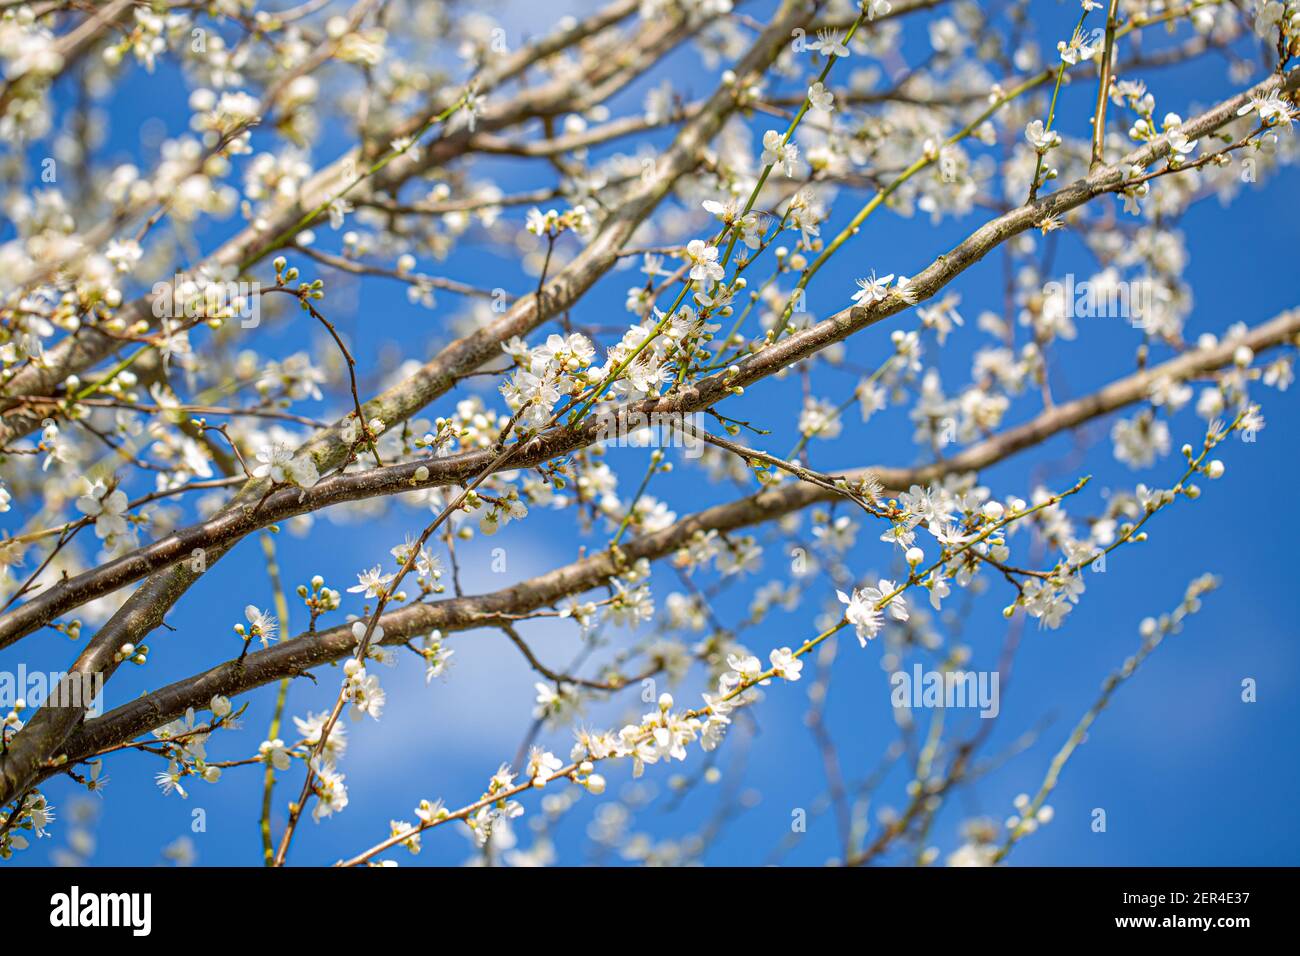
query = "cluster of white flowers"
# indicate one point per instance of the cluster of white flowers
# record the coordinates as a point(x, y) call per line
point(281, 465)
point(107, 506)
point(863, 608)
point(186, 749)
point(560, 366)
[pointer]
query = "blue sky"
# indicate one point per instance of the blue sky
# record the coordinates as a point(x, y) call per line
point(1187, 772)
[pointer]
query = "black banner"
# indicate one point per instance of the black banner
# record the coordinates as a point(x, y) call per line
point(331, 905)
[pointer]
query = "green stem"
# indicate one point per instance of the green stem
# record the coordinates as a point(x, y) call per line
point(268, 777)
